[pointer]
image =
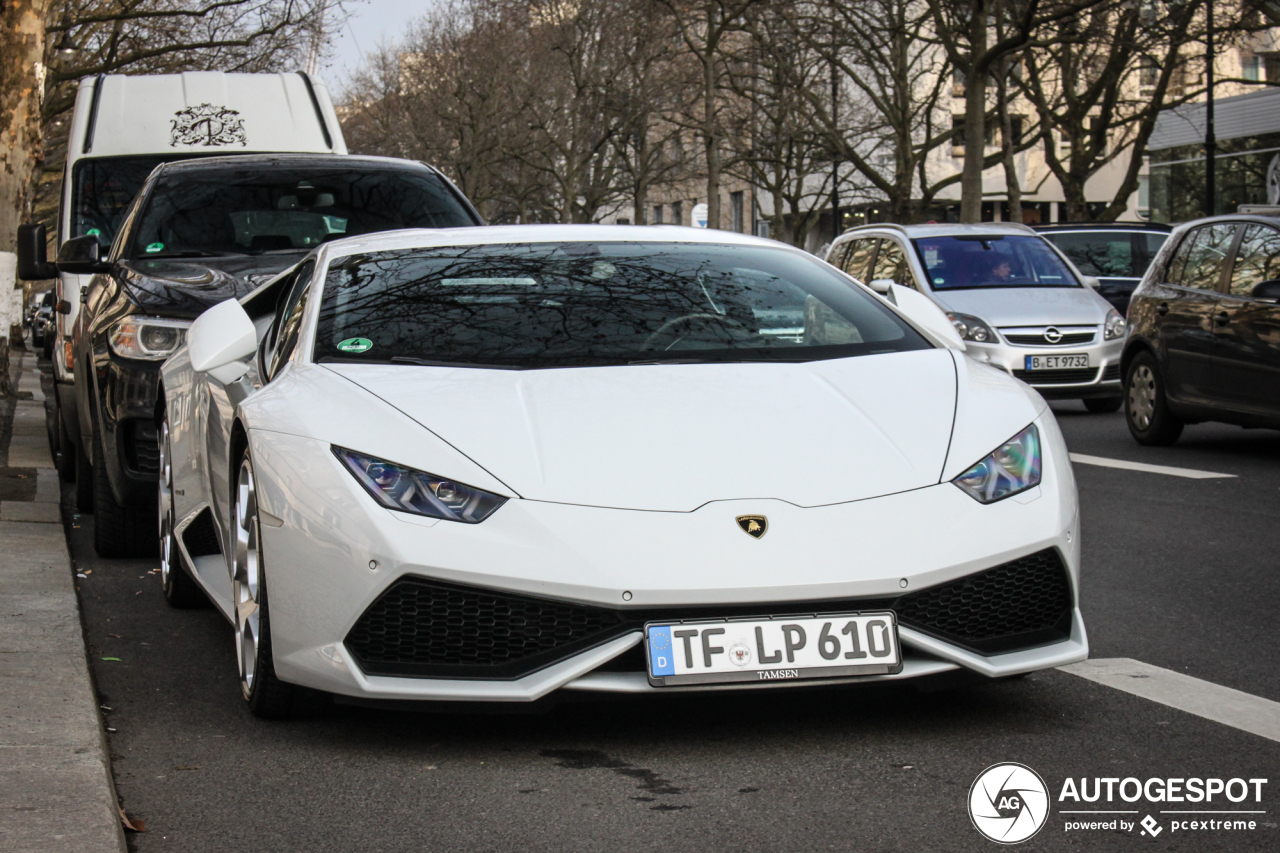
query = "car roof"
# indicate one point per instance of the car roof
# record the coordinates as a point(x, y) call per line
point(1103, 226)
point(1260, 218)
point(287, 161)
point(426, 238)
point(948, 229)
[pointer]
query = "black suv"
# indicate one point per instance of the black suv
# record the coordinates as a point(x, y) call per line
point(201, 231)
point(1204, 339)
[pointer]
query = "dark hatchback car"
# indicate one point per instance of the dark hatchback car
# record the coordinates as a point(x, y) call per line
point(1115, 253)
point(199, 232)
point(1204, 340)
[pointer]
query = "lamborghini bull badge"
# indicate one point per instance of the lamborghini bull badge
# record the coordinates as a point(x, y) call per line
point(754, 526)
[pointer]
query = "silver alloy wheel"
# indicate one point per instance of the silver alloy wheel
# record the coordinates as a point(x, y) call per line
point(1142, 396)
point(246, 587)
point(167, 553)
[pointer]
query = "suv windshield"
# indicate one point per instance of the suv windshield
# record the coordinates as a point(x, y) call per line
point(582, 304)
point(101, 189)
point(1109, 254)
point(992, 260)
point(273, 208)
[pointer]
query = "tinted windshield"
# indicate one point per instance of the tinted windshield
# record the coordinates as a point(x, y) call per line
point(575, 304)
point(954, 263)
point(258, 209)
point(1109, 254)
point(101, 189)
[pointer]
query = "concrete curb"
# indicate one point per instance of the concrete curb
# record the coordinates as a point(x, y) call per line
point(56, 791)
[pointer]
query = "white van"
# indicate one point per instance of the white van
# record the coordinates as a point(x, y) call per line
point(122, 128)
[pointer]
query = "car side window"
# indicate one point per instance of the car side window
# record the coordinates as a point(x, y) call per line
point(289, 318)
point(1206, 253)
point(1257, 259)
point(891, 263)
point(836, 256)
point(858, 258)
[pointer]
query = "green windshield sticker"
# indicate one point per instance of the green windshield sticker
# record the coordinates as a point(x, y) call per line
point(93, 232)
point(938, 280)
point(355, 345)
point(156, 247)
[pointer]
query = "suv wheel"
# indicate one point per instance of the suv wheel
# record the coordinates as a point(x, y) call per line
point(1145, 407)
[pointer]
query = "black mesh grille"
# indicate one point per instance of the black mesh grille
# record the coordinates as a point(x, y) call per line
point(420, 627)
point(1022, 603)
point(1039, 340)
point(1057, 377)
point(1111, 373)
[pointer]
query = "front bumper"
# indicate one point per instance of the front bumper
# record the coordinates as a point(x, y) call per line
point(1100, 379)
point(332, 553)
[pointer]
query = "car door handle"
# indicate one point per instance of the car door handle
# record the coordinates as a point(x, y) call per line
point(1221, 318)
point(1162, 308)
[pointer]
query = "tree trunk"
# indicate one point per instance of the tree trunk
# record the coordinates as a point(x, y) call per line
point(22, 40)
point(711, 137)
point(975, 114)
point(1013, 186)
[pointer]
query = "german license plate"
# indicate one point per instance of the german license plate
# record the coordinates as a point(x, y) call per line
point(1056, 362)
point(777, 649)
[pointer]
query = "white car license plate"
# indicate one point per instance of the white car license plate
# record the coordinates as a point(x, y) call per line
point(1056, 362)
point(782, 648)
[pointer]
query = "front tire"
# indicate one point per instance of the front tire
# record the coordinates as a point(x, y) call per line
point(180, 589)
point(118, 531)
point(1146, 408)
point(267, 696)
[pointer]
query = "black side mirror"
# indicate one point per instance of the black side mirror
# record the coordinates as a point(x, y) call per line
point(33, 254)
point(63, 307)
point(81, 255)
point(1266, 289)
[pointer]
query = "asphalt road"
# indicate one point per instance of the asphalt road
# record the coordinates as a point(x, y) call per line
point(1178, 573)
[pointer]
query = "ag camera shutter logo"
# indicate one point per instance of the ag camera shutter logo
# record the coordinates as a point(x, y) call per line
point(1008, 803)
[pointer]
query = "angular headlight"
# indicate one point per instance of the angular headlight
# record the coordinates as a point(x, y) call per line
point(1014, 467)
point(404, 489)
point(148, 338)
point(1114, 327)
point(971, 328)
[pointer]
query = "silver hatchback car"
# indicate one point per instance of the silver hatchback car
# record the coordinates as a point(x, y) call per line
point(1017, 301)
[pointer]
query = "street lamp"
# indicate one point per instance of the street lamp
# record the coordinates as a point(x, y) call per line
point(1210, 140)
point(66, 48)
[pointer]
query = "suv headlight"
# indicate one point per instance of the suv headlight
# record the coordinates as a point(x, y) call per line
point(1115, 326)
point(971, 328)
point(407, 490)
point(147, 338)
point(1013, 467)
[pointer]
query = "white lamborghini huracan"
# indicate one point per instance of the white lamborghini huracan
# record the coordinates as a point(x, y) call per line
point(494, 463)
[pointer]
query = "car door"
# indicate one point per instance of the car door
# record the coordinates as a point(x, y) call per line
point(891, 263)
point(1247, 328)
point(857, 260)
point(1186, 300)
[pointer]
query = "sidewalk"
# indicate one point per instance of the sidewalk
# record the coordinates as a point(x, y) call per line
point(56, 792)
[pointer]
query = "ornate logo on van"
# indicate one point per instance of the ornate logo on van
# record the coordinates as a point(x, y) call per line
point(207, 125)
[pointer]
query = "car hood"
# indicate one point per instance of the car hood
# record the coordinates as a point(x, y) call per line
point(1028, 306)
point(674, 437)
point(186, 288)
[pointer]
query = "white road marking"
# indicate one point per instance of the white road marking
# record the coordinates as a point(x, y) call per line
point(1190, 473)
point(1214, 702)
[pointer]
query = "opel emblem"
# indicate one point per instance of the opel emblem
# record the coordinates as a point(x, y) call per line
point(754, 526)
point(1052, 335)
